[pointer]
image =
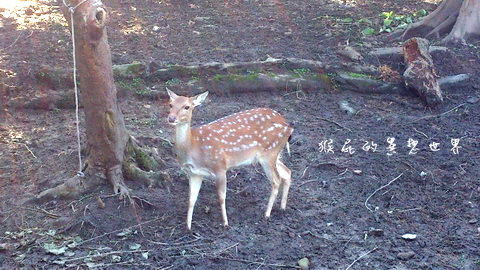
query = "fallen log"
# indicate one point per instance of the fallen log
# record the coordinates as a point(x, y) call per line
point(420, 74)
point(271, 75)
point(227, 84)
point(398, 51)
point(367, 85)
point(212, 68)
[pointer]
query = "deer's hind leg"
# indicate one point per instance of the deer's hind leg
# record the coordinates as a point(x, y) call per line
point(221, 183)
point(269, 166)
point(286, 176)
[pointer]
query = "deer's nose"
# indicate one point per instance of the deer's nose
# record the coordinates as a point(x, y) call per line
point(171, 119)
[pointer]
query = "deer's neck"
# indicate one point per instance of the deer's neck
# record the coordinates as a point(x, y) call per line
point(183, 140)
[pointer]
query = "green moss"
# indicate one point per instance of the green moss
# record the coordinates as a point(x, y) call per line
point(134, 69)
point(173, 81)
point(140, 157)
point(136, 85)
point(183, 71)
point(271, 74)
point(301, 72)
point(251, 76)
point(358, 75)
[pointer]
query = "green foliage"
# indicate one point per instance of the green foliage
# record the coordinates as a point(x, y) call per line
point(357, 75)
point(368, 31)
point(173, 81)
point(150, 122)
point(250, 76)
point(391, 21)
point(302, 72)
point(136, 85)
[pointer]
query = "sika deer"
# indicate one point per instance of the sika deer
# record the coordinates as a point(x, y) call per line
point(236, 140)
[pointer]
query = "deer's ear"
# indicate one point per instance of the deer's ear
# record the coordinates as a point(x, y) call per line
point(171, 94)
point(198, 99)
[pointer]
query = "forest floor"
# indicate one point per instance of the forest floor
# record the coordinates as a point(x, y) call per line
point(432, 194)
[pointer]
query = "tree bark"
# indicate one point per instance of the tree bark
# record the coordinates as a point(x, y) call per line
point(420, 74)
point(106, 133)
point(110, 149)
point(459, 18)
point(467, 25)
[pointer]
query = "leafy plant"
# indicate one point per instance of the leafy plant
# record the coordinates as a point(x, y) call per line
point(173, 81)
point(302, 72)
point(136, 85)
point(392, 21)
point(368, 31)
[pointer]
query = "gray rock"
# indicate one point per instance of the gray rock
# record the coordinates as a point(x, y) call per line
point(376, 232)
point(406, 255)
point(473, 100)
point(304, 264)
point(473, 221)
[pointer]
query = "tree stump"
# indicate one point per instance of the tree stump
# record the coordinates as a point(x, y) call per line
point(420, 74)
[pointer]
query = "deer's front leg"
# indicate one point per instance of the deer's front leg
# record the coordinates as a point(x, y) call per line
point(195, 183)
point(222, 194)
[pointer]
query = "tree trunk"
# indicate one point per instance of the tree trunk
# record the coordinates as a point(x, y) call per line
point(110, 149)
point(467, 25)
point(106, 133)
point(459, 18)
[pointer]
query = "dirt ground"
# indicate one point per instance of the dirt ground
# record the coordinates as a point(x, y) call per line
point(345, 211)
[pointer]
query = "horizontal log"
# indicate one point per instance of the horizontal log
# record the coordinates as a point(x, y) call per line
point(181, 71)
point(398, 51)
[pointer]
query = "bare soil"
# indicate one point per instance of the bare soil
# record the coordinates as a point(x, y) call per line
point(328, 218)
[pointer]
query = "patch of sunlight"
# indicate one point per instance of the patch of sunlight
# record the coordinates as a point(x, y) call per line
point(348, 3)
point(29, 15)
point(11, 4)
point(134, 26)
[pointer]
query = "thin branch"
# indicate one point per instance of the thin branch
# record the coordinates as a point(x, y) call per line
point(105, 254)
point(333, 122)
point(16, 40)
point(361, 256)
point(119, 230)
point(438, 115)
point(378, 189)
point(255, 262)
point(28, 149)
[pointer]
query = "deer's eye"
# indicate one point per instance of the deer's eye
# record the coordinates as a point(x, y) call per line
point(186, 107)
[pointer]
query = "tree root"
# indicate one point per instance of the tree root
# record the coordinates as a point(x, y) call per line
point(144, 164)
point(141, 164)
point(447, 11)
point(443, 27)
point(467, 24)
point(458, 17)
point(72, 188)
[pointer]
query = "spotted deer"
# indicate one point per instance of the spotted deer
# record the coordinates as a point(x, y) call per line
point(257, 135)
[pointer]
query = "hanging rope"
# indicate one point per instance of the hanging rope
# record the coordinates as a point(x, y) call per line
point(77, 118)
